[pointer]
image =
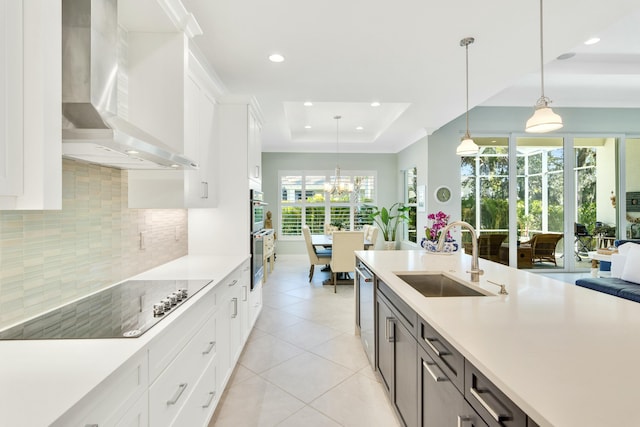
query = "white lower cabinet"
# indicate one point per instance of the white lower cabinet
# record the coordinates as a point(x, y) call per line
point(177, 379)
point(199, 408)
point(174, 387)
point(137, 415)
point(113, 400)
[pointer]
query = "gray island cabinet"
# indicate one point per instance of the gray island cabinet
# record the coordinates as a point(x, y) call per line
point(428, 381)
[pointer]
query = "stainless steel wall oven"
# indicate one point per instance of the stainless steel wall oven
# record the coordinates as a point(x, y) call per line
point(258, 213)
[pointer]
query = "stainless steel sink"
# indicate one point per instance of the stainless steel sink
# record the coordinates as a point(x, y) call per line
point(438, 285)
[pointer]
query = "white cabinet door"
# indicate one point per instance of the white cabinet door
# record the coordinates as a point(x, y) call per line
point(254, 147)
point(30, 99)
point(11, 98)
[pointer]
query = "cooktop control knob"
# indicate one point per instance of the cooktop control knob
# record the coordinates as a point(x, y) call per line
point(178, 295)
point(184, 292)
point(173, 299)
point(158, 309)
point(167, 304)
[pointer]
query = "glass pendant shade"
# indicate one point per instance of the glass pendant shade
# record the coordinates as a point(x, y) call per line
point(543, 120)
point(467, 147)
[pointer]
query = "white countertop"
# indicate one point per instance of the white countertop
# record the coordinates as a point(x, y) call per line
point(568, 356)
point(42, 379)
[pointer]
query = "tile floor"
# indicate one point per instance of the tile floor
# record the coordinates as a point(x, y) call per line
point(303, 364)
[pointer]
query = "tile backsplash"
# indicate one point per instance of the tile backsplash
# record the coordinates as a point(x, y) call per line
point(48, 258)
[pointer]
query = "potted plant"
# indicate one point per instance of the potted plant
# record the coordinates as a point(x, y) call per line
point(388, 220)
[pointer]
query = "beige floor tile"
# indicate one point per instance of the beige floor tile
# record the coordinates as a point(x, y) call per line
point(356, 402)
point(276, 375)
point(308, 417)
point(279, 299)
point(266, 352)
point(344, 349)
point(271, 319)
point(255, 403)
point(306, 334)
point(307, 376)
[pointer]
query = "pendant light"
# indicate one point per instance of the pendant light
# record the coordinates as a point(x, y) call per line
point(543, 119)
point(467, 147)
point(338, 188)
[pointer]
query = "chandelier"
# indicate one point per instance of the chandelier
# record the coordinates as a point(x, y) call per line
point(338, 188)
point(467, 146)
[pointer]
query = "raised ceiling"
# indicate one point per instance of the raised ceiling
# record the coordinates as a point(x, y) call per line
point(342, 56)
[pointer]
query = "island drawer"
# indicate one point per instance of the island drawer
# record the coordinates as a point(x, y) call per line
point(406, 313)
point(495, 408)
point(444, 354)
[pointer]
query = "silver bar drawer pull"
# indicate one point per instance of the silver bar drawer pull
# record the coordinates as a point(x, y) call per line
point(436, 377)
point(212, 395)
point(244, 293)
point(463, 419)
point(495, 415)
point(233, 283)
point(91, 425)
point(387, 332)
point(212, 344)
point(439, 353)
point(181, 388)
point(235, 307)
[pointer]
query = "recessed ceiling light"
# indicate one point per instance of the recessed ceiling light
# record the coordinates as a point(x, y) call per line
point(308, 104)
point(276, 57)
point(359, 128)
point(375, 104)
point(307, 127)
point(567, 55)
point(175, 166)
point(131, 152)
point(592, 40)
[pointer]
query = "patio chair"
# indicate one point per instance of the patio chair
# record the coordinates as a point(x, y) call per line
point(582, 241)
point(316, 257)
point(543, 247)
point(489, 246)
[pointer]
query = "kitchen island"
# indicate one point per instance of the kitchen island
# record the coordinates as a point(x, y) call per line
point(565, 355)
point(61, 381)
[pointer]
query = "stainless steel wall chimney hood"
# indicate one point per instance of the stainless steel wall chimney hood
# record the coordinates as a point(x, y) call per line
point(91, 129)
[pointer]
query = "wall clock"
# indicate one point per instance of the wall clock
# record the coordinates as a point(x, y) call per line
point(443, 194)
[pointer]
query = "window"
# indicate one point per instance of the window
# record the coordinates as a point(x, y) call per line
point(304, 201)
point(411, 201)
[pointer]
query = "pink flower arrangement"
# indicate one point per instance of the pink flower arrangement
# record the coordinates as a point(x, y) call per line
point(439, 220)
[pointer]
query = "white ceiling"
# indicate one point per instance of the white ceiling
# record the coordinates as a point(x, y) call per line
point(406, 54)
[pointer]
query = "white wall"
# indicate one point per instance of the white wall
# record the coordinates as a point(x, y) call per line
point(384, 164)
point(415, 156)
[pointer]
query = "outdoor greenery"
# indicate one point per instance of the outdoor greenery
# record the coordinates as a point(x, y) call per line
point(486, 177)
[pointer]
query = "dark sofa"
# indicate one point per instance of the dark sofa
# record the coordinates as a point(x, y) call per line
point(611, 285)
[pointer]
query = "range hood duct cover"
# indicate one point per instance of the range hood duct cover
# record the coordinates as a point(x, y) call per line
point(91, 127)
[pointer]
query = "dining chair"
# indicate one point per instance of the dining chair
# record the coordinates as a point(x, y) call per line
point(316, 256)
point(343, 259)
point(372, 235)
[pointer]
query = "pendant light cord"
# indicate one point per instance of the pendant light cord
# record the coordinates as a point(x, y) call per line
point(467, 80)
point(338, 140)
point(541, 57)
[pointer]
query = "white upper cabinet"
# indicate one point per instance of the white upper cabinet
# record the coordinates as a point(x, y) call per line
point(30, 99)
point(255, 149)
point(182, 114)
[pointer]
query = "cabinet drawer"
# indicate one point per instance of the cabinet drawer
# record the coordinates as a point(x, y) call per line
point(137, 415)
point(406, 313)
point(112, 399)
point(166, 347)
point(443, 353)
point(492, 404)
point(174, 386)
point(202, 402)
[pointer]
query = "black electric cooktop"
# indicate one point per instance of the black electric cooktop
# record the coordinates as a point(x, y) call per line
point(126, 310)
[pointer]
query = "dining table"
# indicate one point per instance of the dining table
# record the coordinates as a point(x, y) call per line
point(326, 241)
